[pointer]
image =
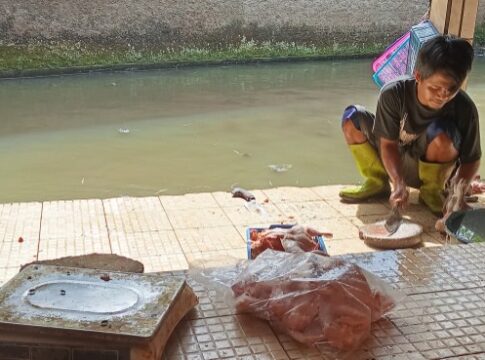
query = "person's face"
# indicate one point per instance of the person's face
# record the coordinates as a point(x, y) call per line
point(437, 90)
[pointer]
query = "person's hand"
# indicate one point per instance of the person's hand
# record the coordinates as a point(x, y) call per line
point(399, 196)
point(455, 201)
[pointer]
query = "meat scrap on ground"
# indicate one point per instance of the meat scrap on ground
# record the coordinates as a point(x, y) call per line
point(315, 299)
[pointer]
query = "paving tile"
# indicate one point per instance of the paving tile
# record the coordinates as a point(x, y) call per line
point(441, 238)
point(340, 227)
point(73, 219)
point(298, 351)
point(307, 212)
point(291, 194)
point(328, 192)
point(480, 356)
point(15, 253)
point(362, 209)
point(424, 218)
point(198, 218)
point(242, 230)
point(443, 324)
point(157, 263)
point(262, 215)
point(441, 317)
point(157, 250)
point(145, 244)
point(362, 220)
point(188, 201)
point(73, 246)
point(463, 263)
point(20, 220)
point(225, 337)
point(213, 239)
point(412, 271)
point(429, 239)
point(225, 199)
point(346, 246)
point(214, 298)
point(208, 259)
point(130, 215)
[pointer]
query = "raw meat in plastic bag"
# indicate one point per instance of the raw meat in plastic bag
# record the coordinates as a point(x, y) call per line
point(315, 299)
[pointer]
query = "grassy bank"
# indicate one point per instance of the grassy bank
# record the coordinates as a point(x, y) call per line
point(479, 39)
point(68, 57)
point(17, 60)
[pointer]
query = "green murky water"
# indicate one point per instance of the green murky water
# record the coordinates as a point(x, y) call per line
point(181, 131)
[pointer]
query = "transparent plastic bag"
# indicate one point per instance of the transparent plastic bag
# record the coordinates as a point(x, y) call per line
point(315, 299)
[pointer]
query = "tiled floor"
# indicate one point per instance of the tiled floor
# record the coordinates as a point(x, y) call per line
point(179, 232)
point(443, 316)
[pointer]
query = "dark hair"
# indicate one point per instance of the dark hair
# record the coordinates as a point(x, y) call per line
point(453, 56)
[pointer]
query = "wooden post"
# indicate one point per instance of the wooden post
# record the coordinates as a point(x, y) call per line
point(438, 14)
point(455, 17)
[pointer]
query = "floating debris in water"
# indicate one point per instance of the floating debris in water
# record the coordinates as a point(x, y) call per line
point(280, 167)
point(82, 181)
point(113, 84)
point(161, 191)
point(241, 154)
point(123, 131)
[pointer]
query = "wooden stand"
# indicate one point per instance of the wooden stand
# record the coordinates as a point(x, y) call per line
point(455, 17)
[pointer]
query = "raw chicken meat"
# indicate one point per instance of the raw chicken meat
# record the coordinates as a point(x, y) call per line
point(313, 298)
point(294, 239)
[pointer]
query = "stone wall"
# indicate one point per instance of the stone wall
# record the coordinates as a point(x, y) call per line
point(196, 23)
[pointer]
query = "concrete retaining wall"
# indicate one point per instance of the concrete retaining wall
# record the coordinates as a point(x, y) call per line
point(175, 23)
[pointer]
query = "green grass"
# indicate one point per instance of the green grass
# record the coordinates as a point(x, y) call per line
point(69, 57)
point(479, 38)
point(18, 59)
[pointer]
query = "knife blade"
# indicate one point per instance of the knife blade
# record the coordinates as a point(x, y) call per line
point(393, 221)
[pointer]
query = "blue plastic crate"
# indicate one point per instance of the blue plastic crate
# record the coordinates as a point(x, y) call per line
point(394, 67)
point(420, 33)
point(320, 240)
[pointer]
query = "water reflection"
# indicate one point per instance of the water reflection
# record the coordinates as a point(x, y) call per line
point(189, 130)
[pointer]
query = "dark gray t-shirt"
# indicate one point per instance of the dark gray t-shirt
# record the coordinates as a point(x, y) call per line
point(400, 116)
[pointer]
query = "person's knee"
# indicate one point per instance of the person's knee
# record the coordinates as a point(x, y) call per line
point(351, 125)
point(441, 148)
point(351, 114)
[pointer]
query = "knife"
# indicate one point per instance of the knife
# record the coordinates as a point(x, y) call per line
point(393, 221)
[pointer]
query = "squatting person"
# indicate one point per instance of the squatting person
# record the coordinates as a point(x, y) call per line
point(425, 126)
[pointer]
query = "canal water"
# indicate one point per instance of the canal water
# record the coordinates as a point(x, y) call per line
point(183, 130)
